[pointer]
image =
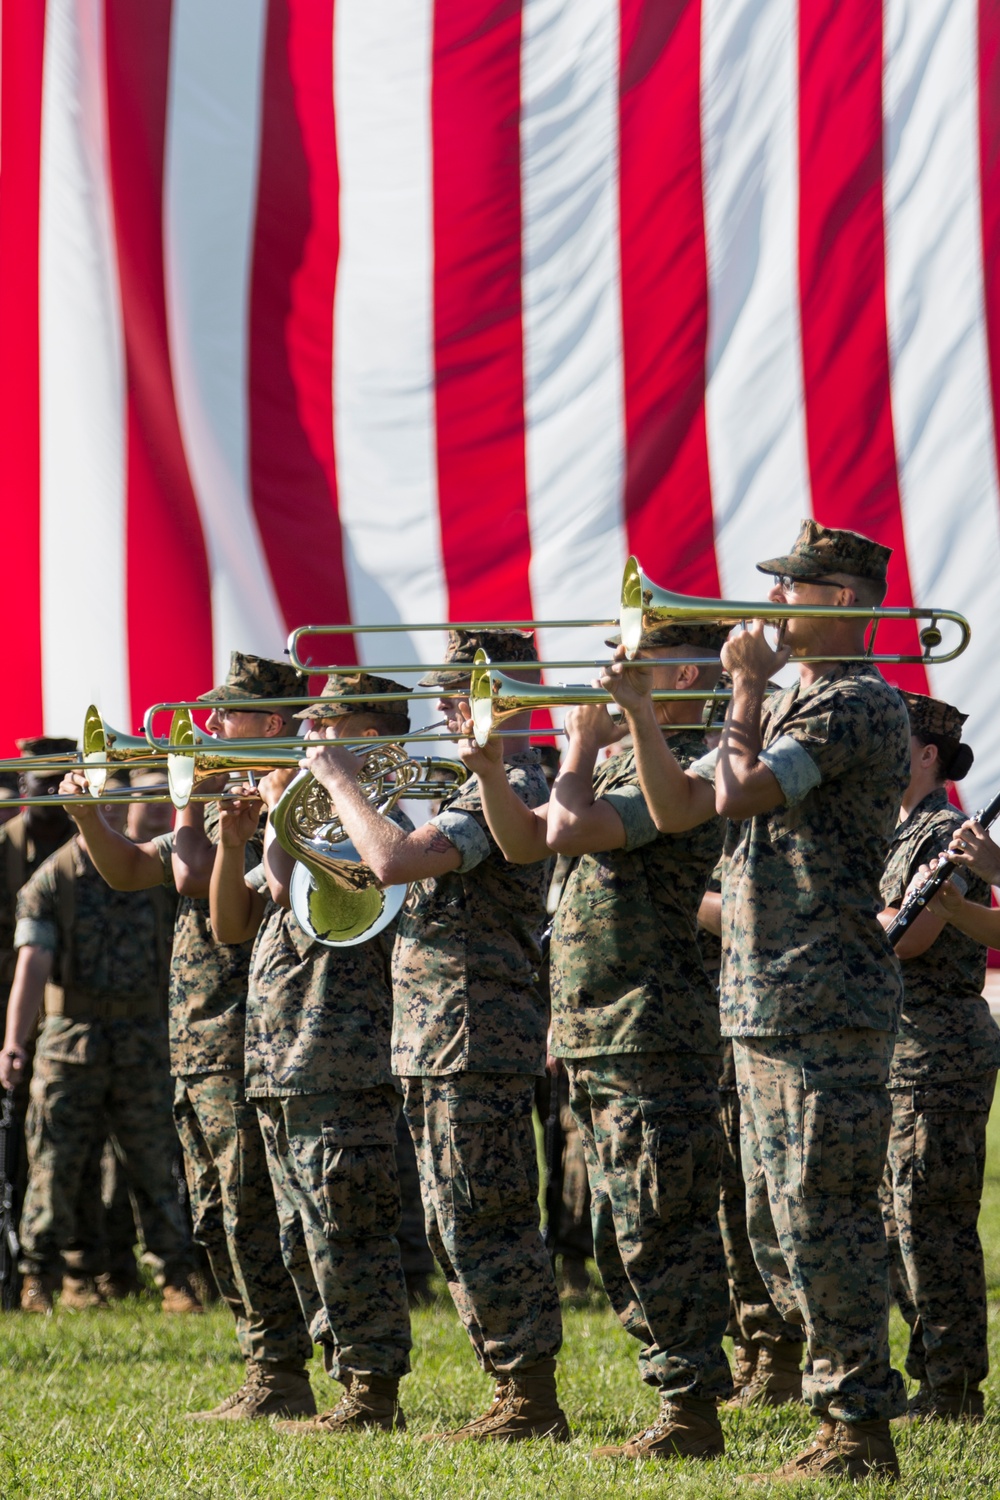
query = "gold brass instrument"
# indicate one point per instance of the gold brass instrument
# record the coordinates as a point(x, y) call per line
point(640, 601)
point(105, 748)
point(194, 757)
point(335, 898)
point(645, 602)
point(494, 697)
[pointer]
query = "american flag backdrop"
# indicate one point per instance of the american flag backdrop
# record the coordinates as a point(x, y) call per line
point(331, 310)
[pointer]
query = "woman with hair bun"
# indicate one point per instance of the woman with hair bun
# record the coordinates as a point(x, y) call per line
point(941, 1086)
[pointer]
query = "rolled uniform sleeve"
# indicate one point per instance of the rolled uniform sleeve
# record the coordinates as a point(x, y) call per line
point(469, 838)
point(792, 767)
point(630, 805)
point(35, 932)
point(164, 846)
point(705, 765)
point(256, 879)
point(37, 918)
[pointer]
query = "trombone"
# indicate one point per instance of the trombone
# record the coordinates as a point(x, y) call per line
point(642, 603)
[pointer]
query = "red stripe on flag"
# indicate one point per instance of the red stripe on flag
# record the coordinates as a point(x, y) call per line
point(167, 593)
point(296, 248)
point(664, 280)
point(22, 36)
point(482, 485)
point(845, 348)
point(989, 168)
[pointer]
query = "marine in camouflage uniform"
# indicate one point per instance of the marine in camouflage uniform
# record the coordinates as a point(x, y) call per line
point(319, 1075)
point(941, 1085)
point(101, 1058)
point(468, 1040)
point(811, 991)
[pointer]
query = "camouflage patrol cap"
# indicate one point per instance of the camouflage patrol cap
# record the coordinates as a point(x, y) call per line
point(820, 550)
point(46, 744)
point(499, 645)
point(256, 677)
point(701, 635)
point(364, 690)
point(932, 716)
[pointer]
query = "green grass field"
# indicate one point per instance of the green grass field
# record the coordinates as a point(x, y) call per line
point(91, 1404)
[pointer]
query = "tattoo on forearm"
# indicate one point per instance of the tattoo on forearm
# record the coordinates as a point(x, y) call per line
point(439, 843)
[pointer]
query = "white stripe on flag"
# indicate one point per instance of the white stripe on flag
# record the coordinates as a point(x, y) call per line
point(210, 191)
point(755, 410)
point(573, 373)
point(940, 374)
point(84, 634)
point(383, 325)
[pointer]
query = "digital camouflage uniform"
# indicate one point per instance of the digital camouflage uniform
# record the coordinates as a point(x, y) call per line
point(753, 1317)
point(635, 1018)
point(941, 1086)
point(468, 1040)
point(318, 1026)
point(811, 994)
point(101, 1059)
point(229, 1186)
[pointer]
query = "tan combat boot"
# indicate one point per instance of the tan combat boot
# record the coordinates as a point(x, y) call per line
point(270, 1390)
point(686, 1427)
point(929, 1405)
point(525, 1405)
point(80, 1294)
point(841, 1450)
point(744, 1365)
point(776, 1379)
point(35, 1295)
point(179, 1299)
point(369, 1401)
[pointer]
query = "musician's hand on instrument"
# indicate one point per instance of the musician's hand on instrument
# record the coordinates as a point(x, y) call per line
point(74, 784)
point(590, 725)
point(748, 652)
point(239, 818)
point(13, 1061)
point(479, 759)
point(972, 846)
point(274, 783)
point(329, 762)
point(629, 686)
point(217, 783)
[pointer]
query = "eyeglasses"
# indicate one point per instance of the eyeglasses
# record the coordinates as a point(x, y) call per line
point(228, 712)
point(789, 585)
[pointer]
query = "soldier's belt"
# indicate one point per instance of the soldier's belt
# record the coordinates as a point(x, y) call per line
point(81, 1005)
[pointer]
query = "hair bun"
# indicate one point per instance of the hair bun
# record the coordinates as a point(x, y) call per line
point(960, 763)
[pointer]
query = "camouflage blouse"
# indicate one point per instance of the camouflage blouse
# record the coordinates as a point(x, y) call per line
point(802, 949)
point(946, 1032)
point(627, 973)
point(208, 980)
point(465, 966)
point(113, 935)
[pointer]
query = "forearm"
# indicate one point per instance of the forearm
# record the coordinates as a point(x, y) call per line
point(923, 933)
point(981, 923)
point(744, 785)
point(231, 903)
point(124, 866)
point(194, 852)
point(675, 800)
point(34, 969)
point(380, 843)
point(710, 912)
point(519, 830)
point(278, 866)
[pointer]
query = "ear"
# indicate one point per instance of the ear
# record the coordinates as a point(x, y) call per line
point(687, 675)
point(371, 733)
point(929, 756)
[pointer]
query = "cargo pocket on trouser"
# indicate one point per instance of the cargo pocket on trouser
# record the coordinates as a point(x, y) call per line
point(680, 1164)
point(845, 1133)
point(488, 1176)
point(359, 1192)
point(949, 1154)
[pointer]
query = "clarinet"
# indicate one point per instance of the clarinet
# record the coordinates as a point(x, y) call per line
point(915, 903)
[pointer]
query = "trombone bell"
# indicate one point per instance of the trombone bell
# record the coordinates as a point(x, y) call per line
point(101, 743)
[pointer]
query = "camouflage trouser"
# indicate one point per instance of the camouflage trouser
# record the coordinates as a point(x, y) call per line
point(815, 1114)
point(575, 1236)
point(333, 1167)
point(651, 1133)
point(930, 1202)
point(89, 1077)
point(479, 1180)
point(753, 1317)
point(106, 1229)
point(235, 1218)
point(414, 1251)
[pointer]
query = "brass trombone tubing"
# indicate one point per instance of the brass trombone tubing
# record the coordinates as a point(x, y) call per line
point(396, 629)
point(126, 795)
